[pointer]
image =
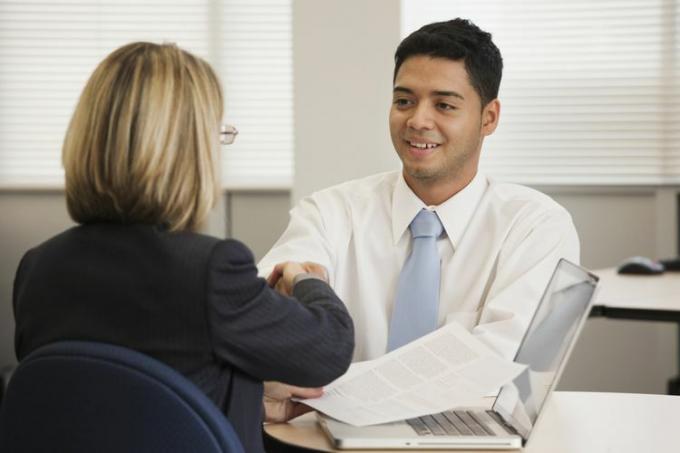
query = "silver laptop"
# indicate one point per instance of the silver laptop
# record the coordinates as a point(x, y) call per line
point(545, 349)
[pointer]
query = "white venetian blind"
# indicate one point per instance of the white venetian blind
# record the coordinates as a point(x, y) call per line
point(590, 91)
point(48, 49)
point(256, 56)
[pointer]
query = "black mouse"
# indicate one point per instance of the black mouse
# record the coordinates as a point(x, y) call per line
point(641, 266)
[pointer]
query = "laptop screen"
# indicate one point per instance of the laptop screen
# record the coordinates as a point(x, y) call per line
point(545, 345)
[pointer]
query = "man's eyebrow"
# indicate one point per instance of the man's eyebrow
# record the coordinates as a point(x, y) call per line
point(449, 93)
point(400, 89)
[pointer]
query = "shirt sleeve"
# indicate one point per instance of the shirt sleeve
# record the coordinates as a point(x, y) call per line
point(305, 340)
point(524, 267)
point(306, 238)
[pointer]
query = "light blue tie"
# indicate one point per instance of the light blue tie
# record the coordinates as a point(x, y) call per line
point(416, 305)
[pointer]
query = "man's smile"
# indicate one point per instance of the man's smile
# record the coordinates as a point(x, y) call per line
point(419, 147)
point(422, 145)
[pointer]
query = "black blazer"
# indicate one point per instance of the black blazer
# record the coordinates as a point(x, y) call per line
point(192, 301)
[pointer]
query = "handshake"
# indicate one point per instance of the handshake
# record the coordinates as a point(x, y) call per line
point(285, 275)
point(278, 402)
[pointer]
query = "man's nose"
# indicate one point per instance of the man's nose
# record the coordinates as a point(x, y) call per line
point(421, 119)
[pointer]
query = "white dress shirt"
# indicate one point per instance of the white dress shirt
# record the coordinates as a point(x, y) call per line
point(500, 245)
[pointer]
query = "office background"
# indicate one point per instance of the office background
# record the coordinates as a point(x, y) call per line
point(342, 65)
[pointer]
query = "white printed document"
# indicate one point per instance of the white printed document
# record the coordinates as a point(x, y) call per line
point(445, 369)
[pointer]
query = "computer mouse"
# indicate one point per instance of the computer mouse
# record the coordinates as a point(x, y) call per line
point(641, 266)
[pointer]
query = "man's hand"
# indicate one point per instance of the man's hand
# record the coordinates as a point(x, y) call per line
point(279, 408)
point(317, 269)
point(282, 277)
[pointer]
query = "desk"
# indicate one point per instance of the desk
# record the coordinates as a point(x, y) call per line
point(647, 297)
point(641, 297)
point(573, 422)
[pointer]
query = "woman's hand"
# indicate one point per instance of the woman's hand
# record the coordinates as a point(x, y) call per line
point(278, 406)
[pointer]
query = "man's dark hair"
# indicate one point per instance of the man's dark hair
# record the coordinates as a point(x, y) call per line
point(458, 39)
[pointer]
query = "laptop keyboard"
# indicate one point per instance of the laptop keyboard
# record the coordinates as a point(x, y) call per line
point(459, 423)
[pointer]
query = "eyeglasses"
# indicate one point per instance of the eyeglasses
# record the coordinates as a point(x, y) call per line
point(228, 134)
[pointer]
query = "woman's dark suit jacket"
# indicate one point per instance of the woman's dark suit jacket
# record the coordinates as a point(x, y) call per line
point(192, 301)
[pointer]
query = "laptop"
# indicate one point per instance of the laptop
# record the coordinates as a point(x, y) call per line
point(545, 348)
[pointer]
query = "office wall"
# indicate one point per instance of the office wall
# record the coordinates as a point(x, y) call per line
point(257, 219)
point(343, 64)
point(343, 58)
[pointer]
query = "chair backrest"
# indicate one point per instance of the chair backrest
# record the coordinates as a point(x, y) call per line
point(85, 397)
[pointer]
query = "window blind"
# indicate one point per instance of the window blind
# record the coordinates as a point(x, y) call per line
point(590, 92)
point(256, 60)
point(49, 49)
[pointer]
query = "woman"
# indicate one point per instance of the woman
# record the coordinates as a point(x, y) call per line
point(139, 157)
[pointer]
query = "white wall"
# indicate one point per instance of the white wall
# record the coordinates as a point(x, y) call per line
point(343, 54)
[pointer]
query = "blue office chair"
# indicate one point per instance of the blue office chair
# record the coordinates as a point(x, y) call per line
point(77, 397)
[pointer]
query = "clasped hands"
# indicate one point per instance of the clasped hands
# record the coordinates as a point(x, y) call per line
point(282, 277)
point(278, 404)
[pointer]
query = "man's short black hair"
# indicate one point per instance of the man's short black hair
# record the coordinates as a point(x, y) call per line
point(458, 39)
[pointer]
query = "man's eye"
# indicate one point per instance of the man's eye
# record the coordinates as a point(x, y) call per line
point(445, 106)
point(402, 102)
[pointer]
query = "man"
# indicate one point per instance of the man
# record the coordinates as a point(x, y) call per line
point(494, 245)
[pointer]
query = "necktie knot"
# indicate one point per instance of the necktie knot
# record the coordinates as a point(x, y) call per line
point(426, 224)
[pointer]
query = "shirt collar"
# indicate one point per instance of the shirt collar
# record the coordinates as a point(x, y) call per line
point(455, 213)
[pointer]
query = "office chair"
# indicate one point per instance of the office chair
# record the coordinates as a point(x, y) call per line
point(75, 396)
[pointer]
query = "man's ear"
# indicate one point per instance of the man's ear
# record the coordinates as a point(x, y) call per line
point(490, 116)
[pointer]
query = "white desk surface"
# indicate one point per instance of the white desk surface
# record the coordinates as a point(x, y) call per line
point(647, 292)
point(573, 422)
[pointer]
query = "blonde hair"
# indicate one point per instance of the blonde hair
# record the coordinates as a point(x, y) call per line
point(143, 142)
